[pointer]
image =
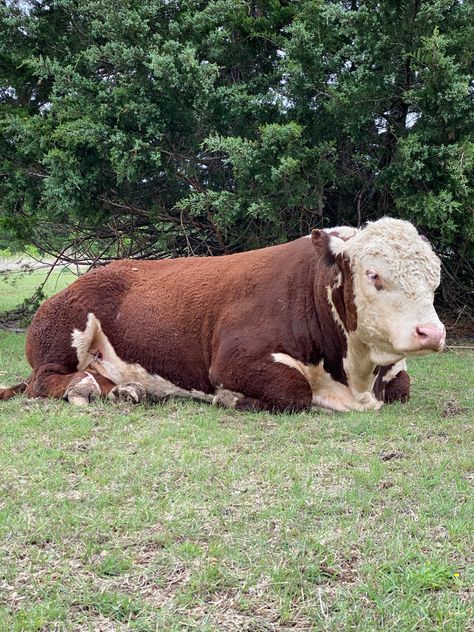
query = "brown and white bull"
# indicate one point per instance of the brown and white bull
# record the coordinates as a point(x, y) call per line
point(321, 321)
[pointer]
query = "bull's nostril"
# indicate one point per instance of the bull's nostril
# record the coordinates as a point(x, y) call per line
point(420, 333)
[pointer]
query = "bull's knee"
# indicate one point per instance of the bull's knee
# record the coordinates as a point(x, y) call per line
point(398, 389)
point(82, 389)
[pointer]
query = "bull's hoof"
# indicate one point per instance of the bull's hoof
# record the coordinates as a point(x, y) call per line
point(82, 390)
point(226, 398)
point(344, 401)
point(367, 401)
point(132, 393)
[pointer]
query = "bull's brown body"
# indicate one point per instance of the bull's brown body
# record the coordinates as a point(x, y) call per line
point(242, 322)
point(201, 322)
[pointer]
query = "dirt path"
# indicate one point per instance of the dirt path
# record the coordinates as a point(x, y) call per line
point(22, 262)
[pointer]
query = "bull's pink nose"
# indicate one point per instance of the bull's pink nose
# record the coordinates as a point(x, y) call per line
point(431, 336)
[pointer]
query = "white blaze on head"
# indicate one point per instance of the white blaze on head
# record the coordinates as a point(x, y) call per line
point(395, 274)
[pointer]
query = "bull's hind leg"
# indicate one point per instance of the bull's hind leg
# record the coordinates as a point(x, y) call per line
point(130, 392)
point(80, 387)
point(133, 382)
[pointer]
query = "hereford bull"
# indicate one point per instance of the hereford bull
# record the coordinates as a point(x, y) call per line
point(326, 320)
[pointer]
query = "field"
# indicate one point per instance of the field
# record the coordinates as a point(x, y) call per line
point(17, 286)
point(187, 517)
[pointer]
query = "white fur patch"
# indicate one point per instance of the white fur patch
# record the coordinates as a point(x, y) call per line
point(334, 311)
point(79, 392)
point(398, 246)
point(344, 232)
point(394, 371)
point(327, 392)
point(358, 365)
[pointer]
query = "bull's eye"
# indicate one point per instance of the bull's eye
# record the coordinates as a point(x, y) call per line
point(375, 279)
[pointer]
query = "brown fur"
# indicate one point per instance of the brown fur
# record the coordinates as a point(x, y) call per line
point(343, 296)
point(397, 390)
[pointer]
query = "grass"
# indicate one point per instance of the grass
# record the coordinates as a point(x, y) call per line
point(186, 517)
point(15, 287)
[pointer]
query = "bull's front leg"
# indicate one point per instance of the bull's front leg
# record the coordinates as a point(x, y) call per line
point(340, 398)
point(247, 383)
point(328, 393)
point(392, 383)
point(398, 388)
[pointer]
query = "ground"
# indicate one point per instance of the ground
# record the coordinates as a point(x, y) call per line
point(187, 517)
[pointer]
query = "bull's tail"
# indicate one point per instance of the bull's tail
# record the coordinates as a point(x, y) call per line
point(7, 392)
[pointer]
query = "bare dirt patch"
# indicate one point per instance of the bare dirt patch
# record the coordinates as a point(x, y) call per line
point(452, 408)
point(392, 454)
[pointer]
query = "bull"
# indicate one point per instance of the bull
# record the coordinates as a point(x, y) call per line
point(322, 321)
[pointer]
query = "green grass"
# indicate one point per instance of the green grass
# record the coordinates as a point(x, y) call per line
point(187, 517)
point(17, 286)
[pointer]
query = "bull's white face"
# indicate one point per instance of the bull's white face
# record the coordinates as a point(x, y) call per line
point(395, 274)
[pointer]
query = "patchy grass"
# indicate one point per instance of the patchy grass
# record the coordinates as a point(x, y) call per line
point(186, 517)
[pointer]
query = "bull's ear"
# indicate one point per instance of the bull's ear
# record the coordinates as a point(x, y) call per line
point(321, 242)
point(316, 236)
point(335, 239)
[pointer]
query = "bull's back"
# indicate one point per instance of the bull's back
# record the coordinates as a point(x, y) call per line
point(160, 314)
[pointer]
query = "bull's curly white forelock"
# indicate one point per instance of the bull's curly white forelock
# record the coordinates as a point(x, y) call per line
point(398, 244)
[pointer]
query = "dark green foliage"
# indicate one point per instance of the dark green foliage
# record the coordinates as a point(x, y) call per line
point(165, 128)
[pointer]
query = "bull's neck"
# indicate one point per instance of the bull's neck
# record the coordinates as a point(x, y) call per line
point(345, 355)
point(328, 339)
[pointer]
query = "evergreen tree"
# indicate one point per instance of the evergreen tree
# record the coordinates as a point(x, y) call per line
point(151, 128)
